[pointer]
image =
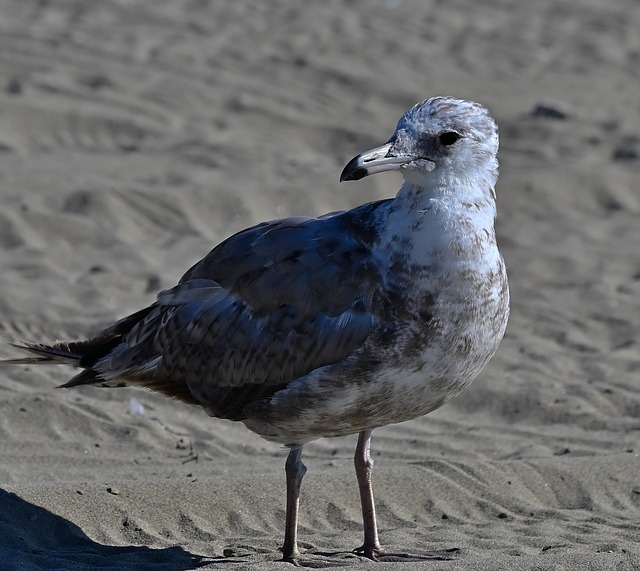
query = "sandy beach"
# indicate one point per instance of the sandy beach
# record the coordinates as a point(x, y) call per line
point(134, 136)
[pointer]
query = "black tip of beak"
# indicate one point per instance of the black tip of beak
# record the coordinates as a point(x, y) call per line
point(356, 174)
point(353, 170)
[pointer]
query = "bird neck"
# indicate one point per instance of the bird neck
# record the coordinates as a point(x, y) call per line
point(460, 196)
point(433, 218)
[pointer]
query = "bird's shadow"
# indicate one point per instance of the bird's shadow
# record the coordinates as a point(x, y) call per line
point(33, 538)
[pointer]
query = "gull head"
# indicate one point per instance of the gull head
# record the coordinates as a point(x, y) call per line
point(439, 138)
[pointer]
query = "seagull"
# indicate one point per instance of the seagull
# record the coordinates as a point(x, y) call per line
point(306, 327)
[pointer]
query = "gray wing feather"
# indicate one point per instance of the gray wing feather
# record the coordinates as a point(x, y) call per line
point(265, 307)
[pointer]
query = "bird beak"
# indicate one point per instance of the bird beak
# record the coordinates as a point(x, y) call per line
point(376, 160)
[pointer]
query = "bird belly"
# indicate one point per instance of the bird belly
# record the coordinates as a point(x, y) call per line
point(416, 374)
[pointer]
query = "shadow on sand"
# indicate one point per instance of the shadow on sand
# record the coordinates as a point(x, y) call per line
point(33, 538)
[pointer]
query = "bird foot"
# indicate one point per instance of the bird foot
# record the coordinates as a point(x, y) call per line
point(296, 559)
point(316, 563)
point(378, 554)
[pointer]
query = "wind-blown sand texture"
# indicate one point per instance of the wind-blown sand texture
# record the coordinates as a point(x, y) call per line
point(126, 130)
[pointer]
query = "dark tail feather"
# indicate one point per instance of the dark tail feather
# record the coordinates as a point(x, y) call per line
point(64, 353)
point(72, 353)
point(60, 353)
point(84, 354)
point(87, 377)
point(75, 353)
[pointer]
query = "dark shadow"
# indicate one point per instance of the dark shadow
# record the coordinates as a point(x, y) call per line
point(33, 538)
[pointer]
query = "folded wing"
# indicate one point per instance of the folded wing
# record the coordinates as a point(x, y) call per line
point(265, 307)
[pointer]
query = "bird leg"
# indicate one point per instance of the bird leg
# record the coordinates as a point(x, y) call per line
point(295, 471)
point(371, 547)
point(364, 466)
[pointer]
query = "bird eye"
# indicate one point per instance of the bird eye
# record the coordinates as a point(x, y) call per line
point(448, 138)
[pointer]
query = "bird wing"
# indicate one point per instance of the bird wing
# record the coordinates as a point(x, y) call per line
point(268, 305)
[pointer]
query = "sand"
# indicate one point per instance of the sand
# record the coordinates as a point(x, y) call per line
point(136, 135)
